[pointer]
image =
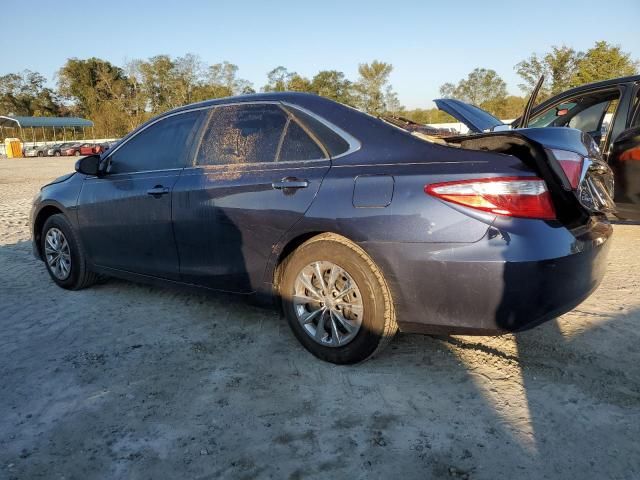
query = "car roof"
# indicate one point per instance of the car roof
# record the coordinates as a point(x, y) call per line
point(603, 83)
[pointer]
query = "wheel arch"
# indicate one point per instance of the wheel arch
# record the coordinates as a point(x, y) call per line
point(289, 247)
point(43, 214)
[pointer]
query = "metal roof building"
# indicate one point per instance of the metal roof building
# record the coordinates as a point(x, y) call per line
point(46, 122)
point(60, 123)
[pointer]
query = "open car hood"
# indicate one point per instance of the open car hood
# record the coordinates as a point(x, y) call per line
point(476, 119)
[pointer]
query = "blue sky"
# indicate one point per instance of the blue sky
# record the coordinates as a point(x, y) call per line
point(428, 43)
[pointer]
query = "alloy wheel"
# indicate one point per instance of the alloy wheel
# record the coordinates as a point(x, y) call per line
point(328, 304)
point(57, 253)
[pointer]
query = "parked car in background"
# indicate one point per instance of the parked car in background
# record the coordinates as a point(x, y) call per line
point(90, 149)
point(56, 150)
point(356, 227)
point(71, 150)
point(35, 151)
point(608, 111)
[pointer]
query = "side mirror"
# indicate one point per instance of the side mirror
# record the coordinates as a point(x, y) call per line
point(89, 165)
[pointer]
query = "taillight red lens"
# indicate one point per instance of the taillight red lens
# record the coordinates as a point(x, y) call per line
point(571, 164)
point(525, 197)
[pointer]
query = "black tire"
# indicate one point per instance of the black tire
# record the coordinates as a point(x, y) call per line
point(40, 154)
point(79, 276)
point(378, 323)
point(56, 154)
point(77, 153)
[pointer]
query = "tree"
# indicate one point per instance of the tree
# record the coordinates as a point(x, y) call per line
point(25, 94)
point(277, 80)
point(510, 107)
point(332, 84)
point(84, 83)
point(482, 87)
point(564, 68)
point(374, 94)
point(281, 80)
point(225, 75)
point(158, 80)
point(602, 62)
point(558, 67)
point(430, 115)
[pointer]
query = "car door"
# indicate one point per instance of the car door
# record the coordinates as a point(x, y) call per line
point(256, 172)
point(125, 215)
point(596, 112)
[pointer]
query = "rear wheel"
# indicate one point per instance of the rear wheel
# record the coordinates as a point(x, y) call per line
point(41, 154)
point(63, 254)
point(56, 154)
point(336, 300)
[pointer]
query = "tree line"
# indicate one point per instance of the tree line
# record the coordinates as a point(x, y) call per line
point(119, 98)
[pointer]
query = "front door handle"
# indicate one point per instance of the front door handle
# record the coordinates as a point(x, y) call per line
point(290, 182)
point(158, 191)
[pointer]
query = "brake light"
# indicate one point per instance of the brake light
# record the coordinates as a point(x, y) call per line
point(571, 164)
point(525, 197)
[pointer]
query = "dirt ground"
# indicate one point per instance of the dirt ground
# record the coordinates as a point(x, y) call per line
point(130, 381)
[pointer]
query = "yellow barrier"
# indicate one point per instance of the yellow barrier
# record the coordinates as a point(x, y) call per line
point(13, 147)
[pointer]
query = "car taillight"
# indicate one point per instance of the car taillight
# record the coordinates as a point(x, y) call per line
point(571, 164)
point(525, 197)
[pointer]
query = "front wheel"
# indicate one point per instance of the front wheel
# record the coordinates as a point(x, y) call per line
point(63, 254)
point(336, 300)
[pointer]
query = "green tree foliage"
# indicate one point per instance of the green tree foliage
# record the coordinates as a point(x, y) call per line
point(602, 62)
point(563, 67)
point(481, 87)
point(333, 84)
point(558, 67)
point(25, 94)
point(118, 99)
point(428, 115)
point(373, 92)
point(87, 83)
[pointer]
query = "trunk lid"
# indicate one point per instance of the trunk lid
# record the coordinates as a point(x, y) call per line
point(569, 161)
point(570, 151)
point(476, 119)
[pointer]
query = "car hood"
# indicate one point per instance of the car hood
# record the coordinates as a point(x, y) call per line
point(60, 179)
point(476, 119)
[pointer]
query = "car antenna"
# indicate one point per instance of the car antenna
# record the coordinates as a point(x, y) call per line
point(524, 121)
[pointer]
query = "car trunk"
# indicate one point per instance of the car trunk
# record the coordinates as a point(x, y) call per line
point(590, 194)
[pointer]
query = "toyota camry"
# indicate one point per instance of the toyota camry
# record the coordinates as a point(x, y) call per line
point(356, 227)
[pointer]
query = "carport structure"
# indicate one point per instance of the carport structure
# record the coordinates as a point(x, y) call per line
point(35, 124)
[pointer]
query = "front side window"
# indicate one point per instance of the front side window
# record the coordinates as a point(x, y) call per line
point(161, 146)
point(238, 134)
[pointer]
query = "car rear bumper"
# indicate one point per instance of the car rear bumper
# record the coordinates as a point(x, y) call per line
point(511, 280)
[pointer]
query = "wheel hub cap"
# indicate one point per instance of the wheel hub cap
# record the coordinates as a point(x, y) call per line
point(57, 253)
point(328, 304)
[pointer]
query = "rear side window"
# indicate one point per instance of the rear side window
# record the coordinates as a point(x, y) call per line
point(333, 142)
point(239, 134)
point(163, 145)
point(298, 145)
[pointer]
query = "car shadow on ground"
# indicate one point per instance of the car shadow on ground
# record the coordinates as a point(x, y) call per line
point(128, 380)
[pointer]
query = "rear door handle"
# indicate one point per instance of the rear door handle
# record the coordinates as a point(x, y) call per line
point(290, 182)
point(158, 190)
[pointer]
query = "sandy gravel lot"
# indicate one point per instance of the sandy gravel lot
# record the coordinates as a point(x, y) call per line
point(131, 381)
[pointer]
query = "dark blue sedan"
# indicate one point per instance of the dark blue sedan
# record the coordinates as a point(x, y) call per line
point(356, 227)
